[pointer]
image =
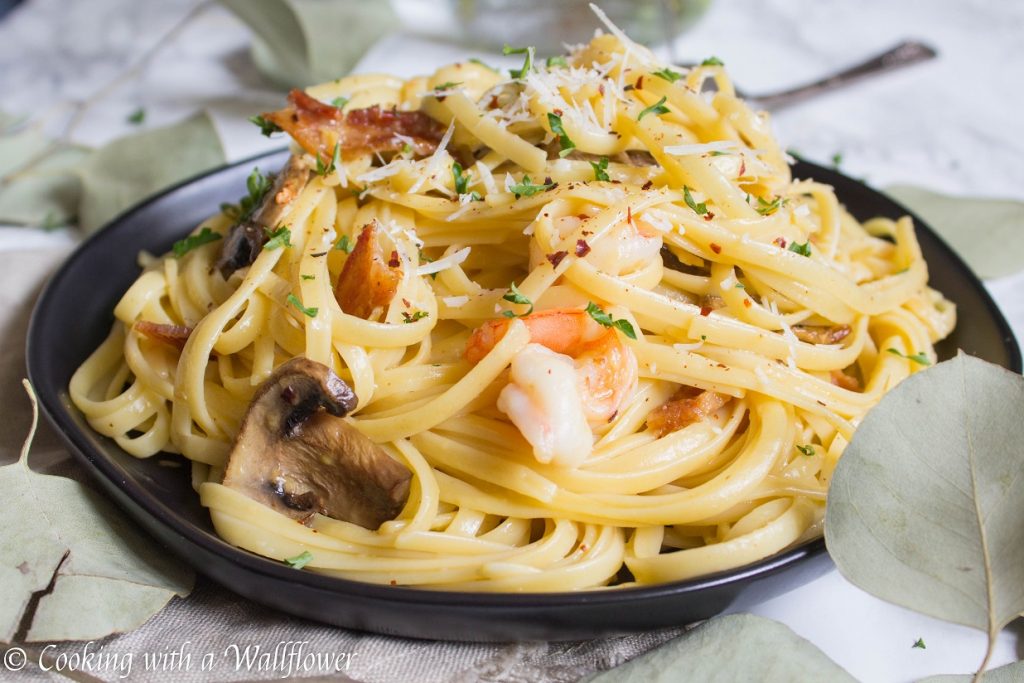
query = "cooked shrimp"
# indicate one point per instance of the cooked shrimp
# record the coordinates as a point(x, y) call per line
point(548, 404)
point(368, 279)
point(318, 127)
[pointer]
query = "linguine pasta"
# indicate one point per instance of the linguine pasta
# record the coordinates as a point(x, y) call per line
point(624, 346)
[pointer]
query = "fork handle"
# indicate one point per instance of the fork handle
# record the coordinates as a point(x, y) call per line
point(906, 53)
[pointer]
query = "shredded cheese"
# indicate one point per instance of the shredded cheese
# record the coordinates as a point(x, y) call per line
point(445, 262)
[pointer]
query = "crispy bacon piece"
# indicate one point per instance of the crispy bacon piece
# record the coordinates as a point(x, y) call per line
point(367, 281)
point(821, 334)
point(318, 127)
point(173, 335)
point(687, 406)
point(844, 381)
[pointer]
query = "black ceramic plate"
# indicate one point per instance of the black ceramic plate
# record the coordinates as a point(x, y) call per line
point(74, 314)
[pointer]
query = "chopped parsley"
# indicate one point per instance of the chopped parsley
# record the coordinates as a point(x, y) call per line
point(339, 102)
point(807, 450)
point(528, 189)
point(515, 296)
point(461, 179)
point(919, 643)
point(658, 108)
point(766, 208)
point(837, 159)
point(555, 122)
point(281, 237)
point(323, 169)
point(712, 61)
point(475, 196)
point(137, 116)
point(344, 244)
point(257, 185)
point(266, 127)
point(308, 277)
point(700, 209)
point(447, 85)
point(299, 561)
point(407, 149)
point(205, 236)
point(600, 169)
point(802, 249)
point(527, 63)
point(918, 358)
point(413, 317)
point(605, 319)
point(311, 312)
point(557, 60)
point(479, 62)
point(669, 75)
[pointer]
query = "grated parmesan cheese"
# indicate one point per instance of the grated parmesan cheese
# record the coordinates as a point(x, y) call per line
point(445, 262)
point(455, 301)
point(435, 159)
point(704, 148)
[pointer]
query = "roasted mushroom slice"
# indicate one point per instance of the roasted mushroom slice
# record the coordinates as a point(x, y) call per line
point(295, 453)
point(245, 240)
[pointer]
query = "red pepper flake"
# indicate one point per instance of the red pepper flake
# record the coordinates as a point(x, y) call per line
point(708, 216)
point(394, 262)
point(556, 258)
point(612, 418)
point(394, 582)
point(600, 88)
point(582, 216)
point(743, 167)
point(629, 215)
point(715, 248)
point(587, 233)
point(494, 103)
point(406, 303)
point(582, 248)
point(558, 112)
point(780, 242)
point(705, 311)
point(746, 303)
point(648, 185)
point(583, 547)
point(640, 83)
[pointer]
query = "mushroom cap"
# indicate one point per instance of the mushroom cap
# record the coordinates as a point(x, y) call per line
point(296, 454)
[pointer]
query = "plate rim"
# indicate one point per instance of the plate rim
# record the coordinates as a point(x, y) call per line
point(100, 466)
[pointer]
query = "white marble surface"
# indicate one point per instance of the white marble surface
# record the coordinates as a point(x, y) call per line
point(952, 125)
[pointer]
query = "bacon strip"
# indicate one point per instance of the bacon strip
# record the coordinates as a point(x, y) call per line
point(173, 335)
point(318, 127)
point(367, 279)
point(821, 334)
point(687, 406)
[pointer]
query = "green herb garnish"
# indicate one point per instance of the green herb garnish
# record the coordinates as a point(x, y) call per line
point(802, 249)
point(766, 208)
point(413, 317)
point(605, 319)
point(257, 185)
point(700, 209)
point(555, 123)
point(712, 61)
point(557, 60)
point(343, 244)
point(918, 358)
point(515, 296)
point(478, 62)
point(266, 127)
point(807, 450)
point(339, 101)
point(669, 75)
point(205, 236)
point(919, 643)
point(137, 116)
point(281, 237)
point(461, 180)
point(299, 561)
point(837, 159)
point(600, 169)
point(658, 108)
point(308, 277)
point(528, 189)
point(527, 63)
point(324, 169)
point(447, 85)
point(311, 312)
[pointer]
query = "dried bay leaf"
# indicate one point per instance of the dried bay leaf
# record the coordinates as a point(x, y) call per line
point(72, 567)
point(130, 168)
point(925, 508)
point(733, 647)
point(987, 233)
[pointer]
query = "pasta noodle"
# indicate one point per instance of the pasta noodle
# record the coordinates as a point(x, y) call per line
point(734, 327)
